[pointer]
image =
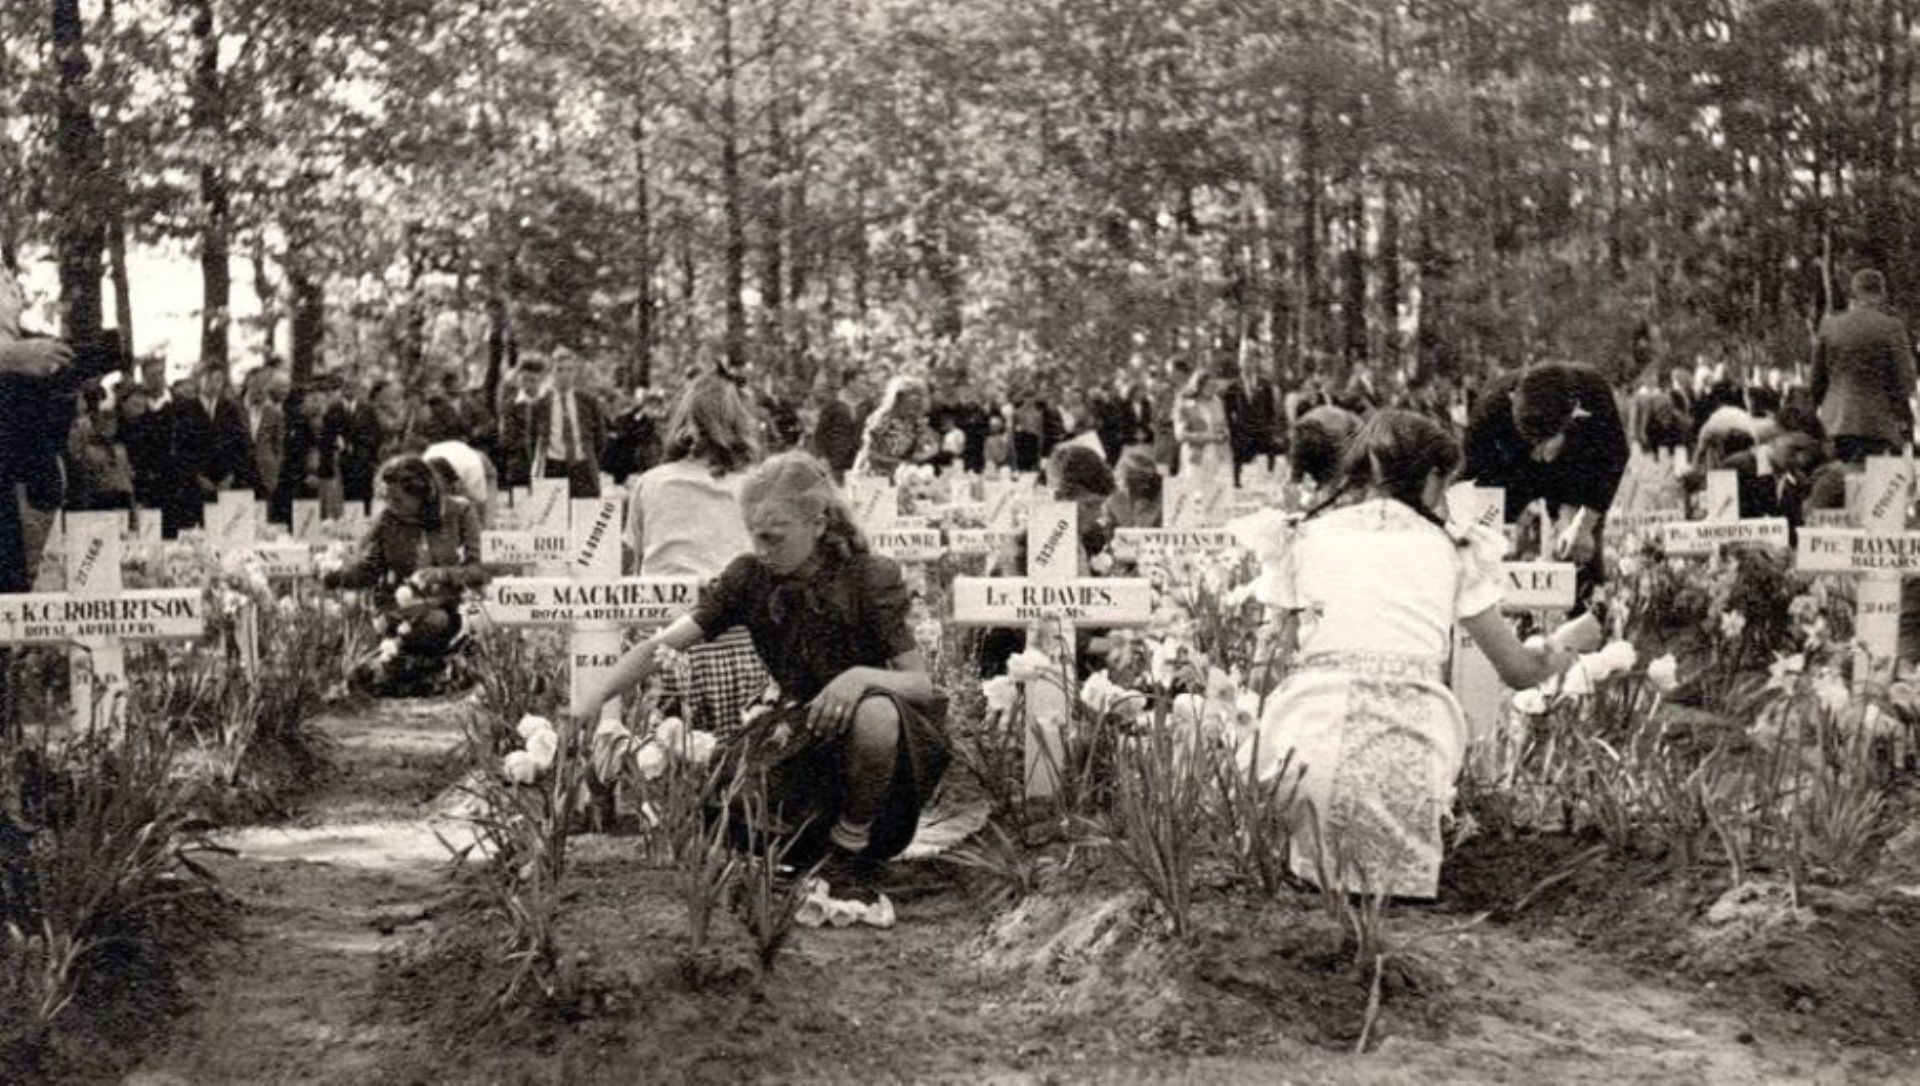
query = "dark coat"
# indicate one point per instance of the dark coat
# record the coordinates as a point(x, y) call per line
point(355, 435)
point(1863, 375)
point(1586, 473)
point(836, 436)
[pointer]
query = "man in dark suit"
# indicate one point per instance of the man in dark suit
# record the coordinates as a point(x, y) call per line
point(211, 450)
point(569, 431)
point(1552, 432)
point(353, 430)
point(1863, 373)
point(516, 426)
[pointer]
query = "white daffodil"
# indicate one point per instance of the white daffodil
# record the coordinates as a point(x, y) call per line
point(650, 761)
point(671, 734)
point(1732, 624)
point(1000, 692)
point(543, 746)
point(1532, 701)
point(700, 747)
point(1028, 665)
point(1664, 673)
point(405, 596)
point(1615, 658)
point(1101, 564)
point(1102, 695)
point(520, 767)
point(1832, 692)
point(530, 724)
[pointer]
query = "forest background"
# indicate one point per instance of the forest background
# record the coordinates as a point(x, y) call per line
point(1001, 188)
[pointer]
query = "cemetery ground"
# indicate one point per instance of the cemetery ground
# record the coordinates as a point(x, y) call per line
point(1699, 865)
point(349, 954)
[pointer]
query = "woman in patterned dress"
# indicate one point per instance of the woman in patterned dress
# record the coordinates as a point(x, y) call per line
point(1376, 581)
point(893, 431)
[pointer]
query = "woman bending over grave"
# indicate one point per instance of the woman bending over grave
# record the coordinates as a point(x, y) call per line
point(1376, 581)
point(855, 739)
point(418, 555)
point(684, 520)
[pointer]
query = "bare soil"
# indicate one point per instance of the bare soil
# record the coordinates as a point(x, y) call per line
point(356, 963)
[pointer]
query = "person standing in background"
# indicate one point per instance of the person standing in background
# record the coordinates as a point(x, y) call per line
point(569, 430)
point(353, 429)
point(1863, 376)
point(264, 399)
point(836, 428)
point(211, 451)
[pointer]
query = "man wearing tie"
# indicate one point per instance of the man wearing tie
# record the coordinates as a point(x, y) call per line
point(568, 431)
point(211, 450)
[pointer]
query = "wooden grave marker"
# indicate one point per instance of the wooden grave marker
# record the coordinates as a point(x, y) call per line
point(1880, 553)
point(592, 601)
point(95, 616)
point(1052, 600)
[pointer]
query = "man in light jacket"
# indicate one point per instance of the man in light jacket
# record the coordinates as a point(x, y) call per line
point(1863, 375)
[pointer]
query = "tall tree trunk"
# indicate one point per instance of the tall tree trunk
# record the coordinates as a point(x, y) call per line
point(269, 296)
point(640, 362)
point(731, 186)
point(1390, 284)
point(1353, 276)
point(1312, 287)
point(122, 284)
point(216, 238)
point(80, 196)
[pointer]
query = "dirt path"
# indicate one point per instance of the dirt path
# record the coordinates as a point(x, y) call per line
point(358, 874)
point(323, 897)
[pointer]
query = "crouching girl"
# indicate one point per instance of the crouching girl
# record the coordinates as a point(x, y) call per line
point(856, 736)
point(1377, 581)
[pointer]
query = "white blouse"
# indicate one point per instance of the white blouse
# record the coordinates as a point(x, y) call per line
point(1377, 577)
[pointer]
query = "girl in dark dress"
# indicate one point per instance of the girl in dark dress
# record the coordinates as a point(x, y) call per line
point(858, 726)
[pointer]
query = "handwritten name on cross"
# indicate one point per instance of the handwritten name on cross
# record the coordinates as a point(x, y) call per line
point(1196, 500)
point(1880, 553)
point(592, 602)
point(1051, 601)
point(96, 616)
point(543, 538)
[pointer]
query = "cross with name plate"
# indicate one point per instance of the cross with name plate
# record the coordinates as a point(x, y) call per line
point(1543, 588)
point(1722, 525)
point(96, 616)
point(592, 602)
point(543, 539)
point(1881, 552)
point(1051, 601)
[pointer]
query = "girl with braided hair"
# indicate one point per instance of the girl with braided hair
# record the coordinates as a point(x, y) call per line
point(1375, 581)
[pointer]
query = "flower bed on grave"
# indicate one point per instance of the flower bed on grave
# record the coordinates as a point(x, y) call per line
point(1709, 793)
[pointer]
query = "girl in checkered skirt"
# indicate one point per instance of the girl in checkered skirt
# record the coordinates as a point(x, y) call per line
point(856, 741)
point(684, 520)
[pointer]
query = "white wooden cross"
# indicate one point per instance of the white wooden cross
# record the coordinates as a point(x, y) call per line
point(592, 601)
point(96, 616)
point(1722, 525)
point(1166, 547)
point(1051, 601)
point(542, 539)
point(306, 518)
point(1006, 502)
point(913, 548)
point(1540, 587)
point(874, 503)
point(1881, 552)
point(1196, 500)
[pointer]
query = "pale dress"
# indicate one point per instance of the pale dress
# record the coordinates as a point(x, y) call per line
point(1375, 735)
point(684, 521)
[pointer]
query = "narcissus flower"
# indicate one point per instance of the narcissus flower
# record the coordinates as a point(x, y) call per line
point(543, 746)
point(1000, 692)
point(1664, 673)
point(1029, 665)
point(530, 725)
point(520, 767)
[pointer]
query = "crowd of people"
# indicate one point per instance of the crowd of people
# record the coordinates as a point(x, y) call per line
point(803, 629)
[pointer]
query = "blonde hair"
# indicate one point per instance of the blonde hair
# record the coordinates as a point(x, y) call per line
point(802, 483)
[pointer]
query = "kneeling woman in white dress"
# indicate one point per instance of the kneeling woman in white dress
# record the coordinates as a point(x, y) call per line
point(1377, 580)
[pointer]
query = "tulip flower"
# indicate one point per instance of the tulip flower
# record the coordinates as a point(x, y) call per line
point(520, 767)
point(1664, 673)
